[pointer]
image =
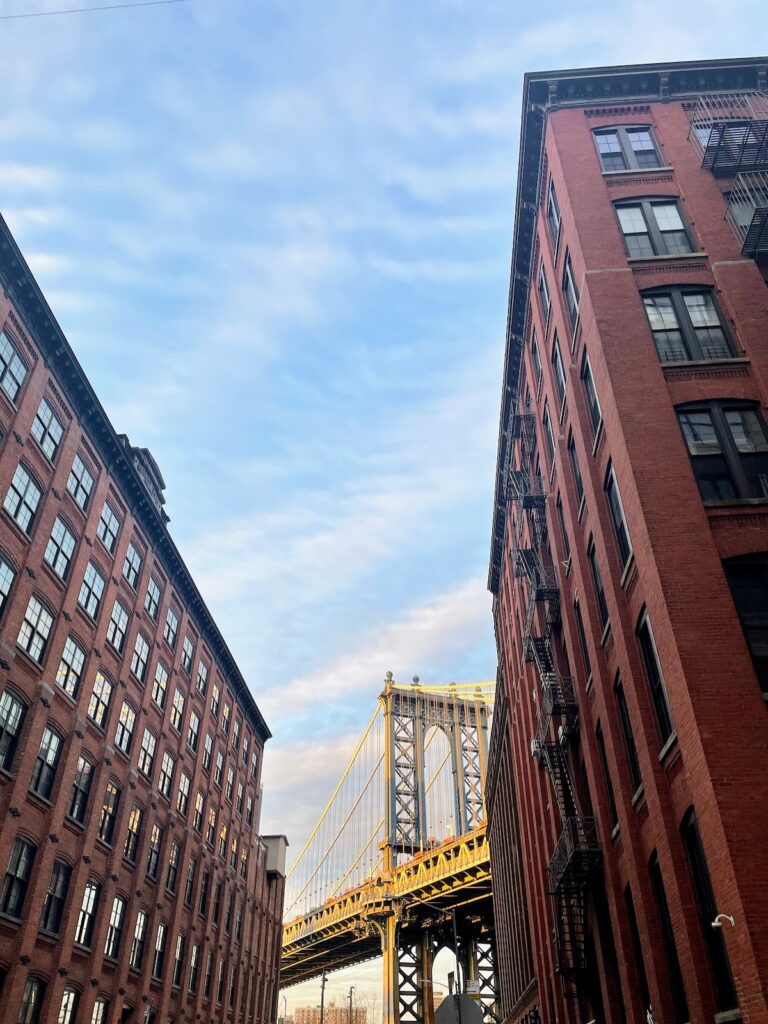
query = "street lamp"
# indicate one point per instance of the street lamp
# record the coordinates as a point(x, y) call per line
point(351, 990)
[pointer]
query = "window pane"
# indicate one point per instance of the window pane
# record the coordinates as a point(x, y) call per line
point(706, 324)
point(699, 433)
point(666, 330)
point(631, 219)
point(668, 217)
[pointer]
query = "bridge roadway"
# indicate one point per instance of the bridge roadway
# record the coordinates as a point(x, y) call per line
point(352, 928)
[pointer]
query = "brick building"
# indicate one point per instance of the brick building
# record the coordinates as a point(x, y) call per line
point(136, 886)
point(332, 1014)
point(629, 566)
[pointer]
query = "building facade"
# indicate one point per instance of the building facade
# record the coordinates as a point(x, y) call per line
point(332, 1014)
point(136, 886)
point(629, 563)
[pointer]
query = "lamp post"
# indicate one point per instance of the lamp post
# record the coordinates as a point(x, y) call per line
point(322, 998)
point(285, 1007)
point(351, 990)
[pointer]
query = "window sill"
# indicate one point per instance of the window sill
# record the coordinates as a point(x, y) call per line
point(42, 801)
point(49, 938)
point(693, 363)
point(682, 256)
point(630, 171)
point(734, 502)
point(728, 1017)
point(9, 918)
point(54, 576)
point(627, 570)
point(668, 747)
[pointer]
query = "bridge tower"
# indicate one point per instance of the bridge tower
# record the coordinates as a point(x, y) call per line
point(410, 713)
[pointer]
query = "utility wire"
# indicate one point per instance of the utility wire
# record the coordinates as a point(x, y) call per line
point(90, 10)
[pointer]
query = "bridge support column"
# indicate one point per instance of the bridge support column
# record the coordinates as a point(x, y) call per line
point(389, 956)
point(480, 968)
point(427, 993)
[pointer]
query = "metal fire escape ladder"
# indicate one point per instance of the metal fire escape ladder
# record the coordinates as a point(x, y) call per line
point(577, 852)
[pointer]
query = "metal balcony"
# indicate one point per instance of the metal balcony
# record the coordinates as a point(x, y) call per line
point(576, 855)
point(531, 492)
point(747, 212)
point(730, 131)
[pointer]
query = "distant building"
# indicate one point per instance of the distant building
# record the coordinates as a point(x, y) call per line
point(627, 796)
point(332, 1014)
point(137, 887)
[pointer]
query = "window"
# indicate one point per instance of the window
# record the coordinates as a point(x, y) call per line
point(205, 889)
point(17, 877)
point(553, 215)
point(22, 498)
point(147, 752)
point(47, 430)
point(165, 783)
point(225, 719)
point(81, 789)
point(233, 852)
point(178, 961)
point(228, 915)
point(208, 976)
point(207, 751)
point(545, 303)
point(243, 863)
point(132, 565)
point(728, 450)
point(177, 710)
point(80, 482)
point(232, 987)
point(536, 359)
point(563, 530)
point(194, 967)
point(91, 590)
point(153, 858)
point(717, 955)
point(679, 1001)
point(171, 628)
point(35, 630)
point(217, 902)
point(249, 810)
point(108, 815)
point(218, 771)
point(173, 858)
point(215, 697)
point(160, 684)
point(98, 706)
point(12, 367)
point(118, 627)
point(136, 956)
point(124, 730)
point(86, 917)
point(7, 575)
point(158, 960)
point(115, 928)
point(68, 1009)
point(597, 579)
point(637, 951)
point(202, 678)
point(46, 762)
point(197, 818)
point(240, 797)
point(617, 515)
point(71, 667)
point(558, 370)
point(655, 679)
point(34, 989)
point(748, 580)
point(220, 983)
point(140, 657)
point(182, 797)
point(625, 149)
point(230, 783)
point(189, 887)
point(153, 598)
point(606, 775)
point(133, 835)
point(246, 744)
point(236, 734)
point(100, 1007)
point(593, 405)
point(653, 228)
point(549, 436)
point(570, 291)
point(686, 324)
point(255, 764)
point(187, 654)
point(575, 467)
point(223, 842)
point(109, 527)
point(61, 545)
point(629, 736)
point(193, 736)
point(210, 834)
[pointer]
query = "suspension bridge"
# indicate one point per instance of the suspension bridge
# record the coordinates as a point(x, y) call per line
point(397, 864)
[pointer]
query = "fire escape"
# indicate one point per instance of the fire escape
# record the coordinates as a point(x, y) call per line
point(577, 852)
point(730, 132)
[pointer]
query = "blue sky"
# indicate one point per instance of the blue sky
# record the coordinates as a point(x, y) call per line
point(278, 235)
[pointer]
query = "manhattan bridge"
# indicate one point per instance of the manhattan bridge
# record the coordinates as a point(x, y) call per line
point(397, 864)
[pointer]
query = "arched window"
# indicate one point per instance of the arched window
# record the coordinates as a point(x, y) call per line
point(748, 579)
point(12, 713)
point(23, 498)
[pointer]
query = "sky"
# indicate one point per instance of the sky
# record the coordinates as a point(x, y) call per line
point(277, 235)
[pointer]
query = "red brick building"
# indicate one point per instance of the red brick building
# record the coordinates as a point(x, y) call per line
point(136, 886)
point(627, 780)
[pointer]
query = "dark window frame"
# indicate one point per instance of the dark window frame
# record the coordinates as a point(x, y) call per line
point(657, 237)
point(690, 342)
point(751, 609)
point(570, 292)
point(597, 580)
point(649, 656)
point(618, 515)
point(729, 453)
point(594, 411)
point(628, 733)
point(553, 217)
point(627, 151)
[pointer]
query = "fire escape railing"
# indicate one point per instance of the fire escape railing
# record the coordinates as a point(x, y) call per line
point(747, 212)
point(577, 852)
point(730, 131)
